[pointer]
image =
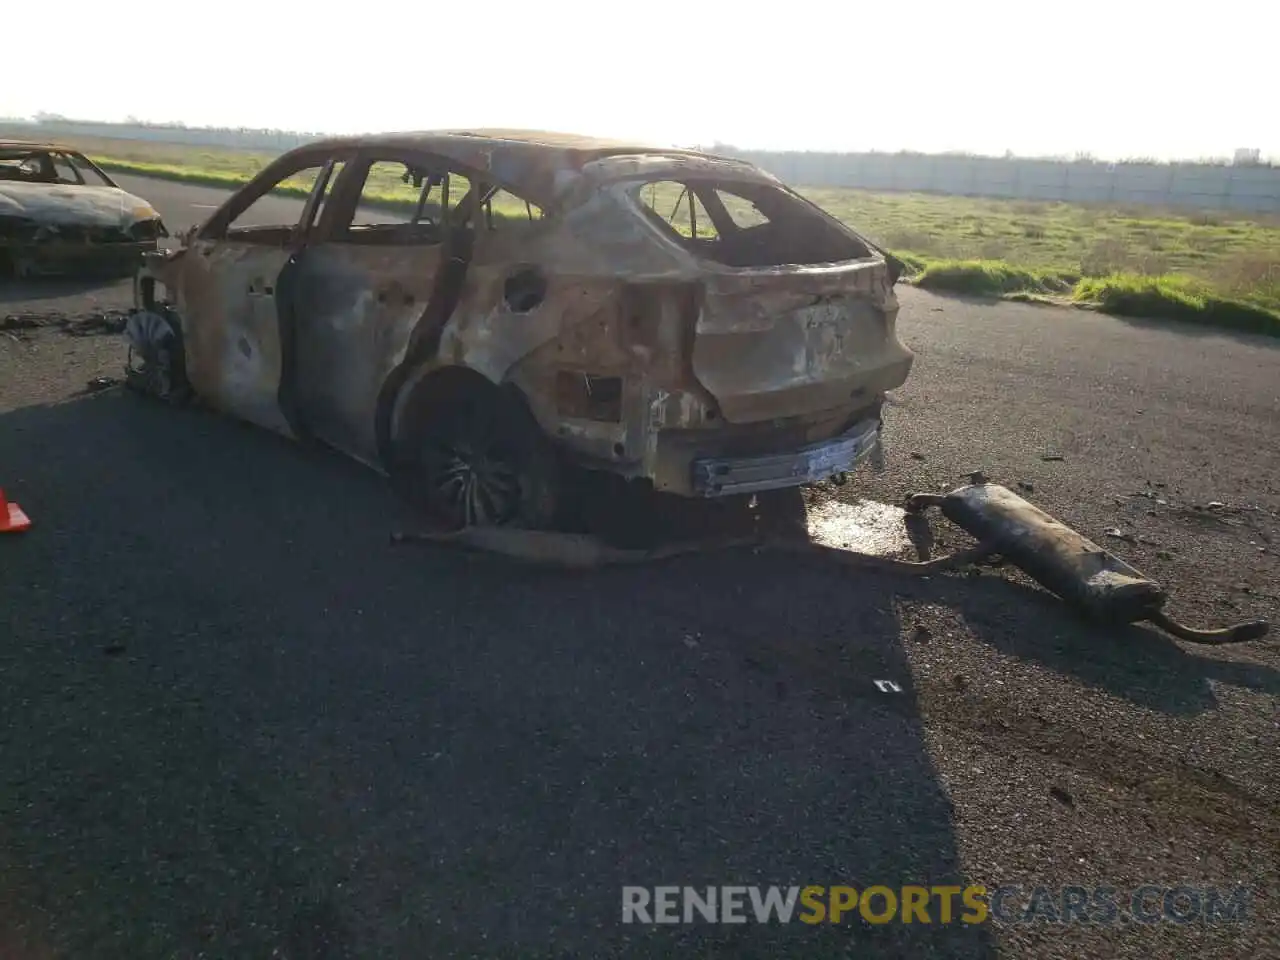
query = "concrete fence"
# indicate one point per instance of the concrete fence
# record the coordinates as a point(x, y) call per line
point(1243, 188)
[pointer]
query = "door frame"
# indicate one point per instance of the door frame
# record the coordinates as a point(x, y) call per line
point(340, 212)
point(290, 240)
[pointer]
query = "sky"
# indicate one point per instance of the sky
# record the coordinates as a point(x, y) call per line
point(1125, 78)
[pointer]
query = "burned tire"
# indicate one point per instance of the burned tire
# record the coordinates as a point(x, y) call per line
point(157, 359)
point(480, 459)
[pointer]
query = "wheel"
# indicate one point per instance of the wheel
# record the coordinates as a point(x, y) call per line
point(156, 365)
point(481, 460)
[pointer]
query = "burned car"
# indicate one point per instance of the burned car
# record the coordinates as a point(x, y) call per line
point(60, 213)
point(479, 314)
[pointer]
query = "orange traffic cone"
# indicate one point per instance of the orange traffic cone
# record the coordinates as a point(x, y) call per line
point(12, 519)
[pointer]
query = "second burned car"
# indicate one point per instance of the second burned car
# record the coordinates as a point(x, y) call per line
point(476, 312)
point(60, 213)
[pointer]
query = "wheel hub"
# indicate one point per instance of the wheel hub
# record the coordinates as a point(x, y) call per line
point(477, 486)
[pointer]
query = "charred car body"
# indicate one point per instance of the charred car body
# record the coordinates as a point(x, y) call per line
point(534, 300)
point(60, 213)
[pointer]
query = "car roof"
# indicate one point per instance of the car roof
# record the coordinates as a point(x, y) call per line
point(545, 142)
point(531, 161)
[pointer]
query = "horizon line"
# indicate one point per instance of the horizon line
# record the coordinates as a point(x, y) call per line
point(1241, 157)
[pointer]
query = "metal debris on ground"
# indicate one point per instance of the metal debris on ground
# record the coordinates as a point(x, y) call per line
point(584, 551)
point(83, 325)
point(98, 384)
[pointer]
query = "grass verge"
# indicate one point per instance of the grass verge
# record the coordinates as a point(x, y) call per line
point(1166, 297)
point(987, 278)
point(222, 179)
point(1174, 298)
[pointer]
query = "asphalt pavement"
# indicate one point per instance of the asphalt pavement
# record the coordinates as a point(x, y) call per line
point(183, 204)
point(237, 722)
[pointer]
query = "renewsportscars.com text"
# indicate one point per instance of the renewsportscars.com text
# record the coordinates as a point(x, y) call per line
point(973, 904)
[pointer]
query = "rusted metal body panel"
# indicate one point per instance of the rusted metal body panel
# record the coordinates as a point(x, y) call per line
point(791, 343)
point(1059, 558)
point(709, 359)
point(226, 297)
point(634, 352)
point(357, 308)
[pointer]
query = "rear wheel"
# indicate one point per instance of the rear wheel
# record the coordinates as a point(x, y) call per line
point(480, 460)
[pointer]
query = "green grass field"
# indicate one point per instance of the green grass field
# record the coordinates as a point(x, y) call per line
point(1212, 267)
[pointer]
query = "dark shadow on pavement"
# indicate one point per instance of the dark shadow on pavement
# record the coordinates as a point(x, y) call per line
point(236, 719)
point(1138, 662)
point(1198, 331)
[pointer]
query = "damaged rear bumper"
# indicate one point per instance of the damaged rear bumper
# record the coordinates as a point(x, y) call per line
point(724, 476)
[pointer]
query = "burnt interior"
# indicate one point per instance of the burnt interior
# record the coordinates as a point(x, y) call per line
point(27, 164)
point(747, 224)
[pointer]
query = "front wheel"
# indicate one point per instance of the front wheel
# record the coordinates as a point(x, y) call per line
point(157, 360)
point(482, 461)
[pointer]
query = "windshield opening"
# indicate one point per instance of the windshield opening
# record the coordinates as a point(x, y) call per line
point(40, 165)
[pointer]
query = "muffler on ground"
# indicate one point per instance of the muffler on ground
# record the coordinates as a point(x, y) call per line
point(1095, 581)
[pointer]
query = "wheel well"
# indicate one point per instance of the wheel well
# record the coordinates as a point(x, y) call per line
point(447, 387)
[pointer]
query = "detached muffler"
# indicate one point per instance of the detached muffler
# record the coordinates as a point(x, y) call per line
point(1101, 585)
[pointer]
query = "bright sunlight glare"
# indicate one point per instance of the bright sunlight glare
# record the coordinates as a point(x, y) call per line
point(1114, 79)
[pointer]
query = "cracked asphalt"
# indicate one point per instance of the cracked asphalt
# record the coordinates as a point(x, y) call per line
point(237, 722)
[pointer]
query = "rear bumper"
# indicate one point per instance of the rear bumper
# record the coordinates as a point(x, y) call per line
point(724, 476)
